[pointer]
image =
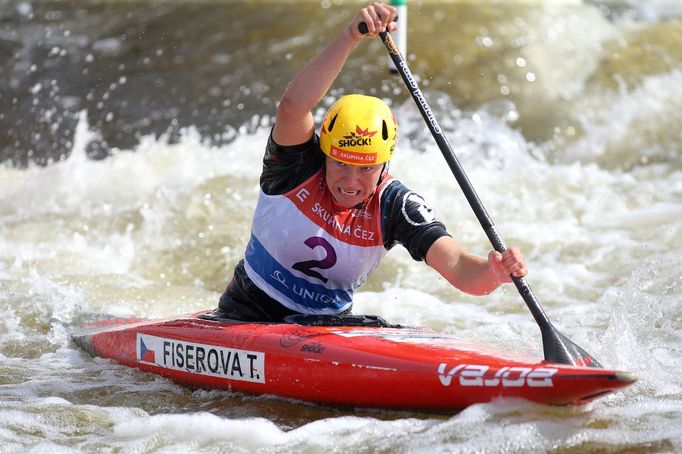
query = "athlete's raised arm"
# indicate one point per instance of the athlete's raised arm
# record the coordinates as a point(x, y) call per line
point(294, 120)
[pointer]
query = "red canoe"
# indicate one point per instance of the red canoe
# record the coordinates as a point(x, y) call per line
point(407, 368)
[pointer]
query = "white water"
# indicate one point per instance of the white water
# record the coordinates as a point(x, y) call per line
point(155, 231)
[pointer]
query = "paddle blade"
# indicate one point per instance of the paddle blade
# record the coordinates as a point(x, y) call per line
point(560, 349)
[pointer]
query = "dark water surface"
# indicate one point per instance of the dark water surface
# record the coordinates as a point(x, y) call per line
point(141, 67)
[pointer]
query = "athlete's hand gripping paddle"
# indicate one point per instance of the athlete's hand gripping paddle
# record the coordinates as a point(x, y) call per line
point(557, 347)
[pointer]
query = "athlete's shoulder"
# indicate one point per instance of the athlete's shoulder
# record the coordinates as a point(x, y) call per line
point(312, 145)
point(408, 220)
point(285, 167)
point(409, 205)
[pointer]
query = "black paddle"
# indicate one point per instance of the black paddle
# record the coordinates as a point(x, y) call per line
point(557, 347)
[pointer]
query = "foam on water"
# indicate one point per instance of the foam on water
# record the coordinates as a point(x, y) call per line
point(651, 10)
point(631, 127)
point(156, 169)
point(155, 231)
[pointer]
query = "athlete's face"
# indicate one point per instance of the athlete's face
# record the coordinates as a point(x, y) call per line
point(349, 184)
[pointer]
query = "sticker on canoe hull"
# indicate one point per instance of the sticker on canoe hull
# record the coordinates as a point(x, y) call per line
point(507, 377)
point(202, 359)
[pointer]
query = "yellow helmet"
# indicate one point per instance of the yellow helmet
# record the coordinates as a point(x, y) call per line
point(359, 130)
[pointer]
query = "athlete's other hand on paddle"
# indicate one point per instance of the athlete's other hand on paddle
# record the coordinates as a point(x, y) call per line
point(508, 263)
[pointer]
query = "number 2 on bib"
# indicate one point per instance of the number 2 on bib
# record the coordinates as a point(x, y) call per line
point(306, 267)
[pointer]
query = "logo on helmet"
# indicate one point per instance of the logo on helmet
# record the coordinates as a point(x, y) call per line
point(352, 157)
point(361, 137)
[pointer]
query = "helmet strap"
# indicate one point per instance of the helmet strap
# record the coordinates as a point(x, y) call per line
point(384, 172)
